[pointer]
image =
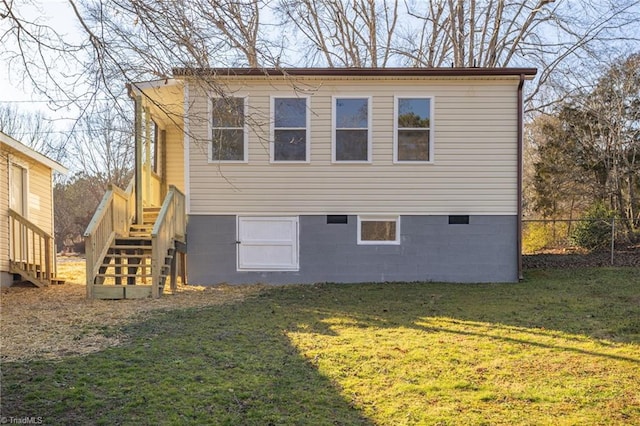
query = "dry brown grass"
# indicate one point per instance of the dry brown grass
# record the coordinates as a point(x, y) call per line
point(59, 321)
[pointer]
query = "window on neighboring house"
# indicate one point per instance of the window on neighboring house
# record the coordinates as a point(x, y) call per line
point(228, 136)
point(351, 134)
point(290, 130)
point(413, 136)
point(378, 230)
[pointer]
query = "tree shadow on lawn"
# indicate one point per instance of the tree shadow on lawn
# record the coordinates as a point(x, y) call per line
point(229, 365)
point(236, 364)
point(594, 306)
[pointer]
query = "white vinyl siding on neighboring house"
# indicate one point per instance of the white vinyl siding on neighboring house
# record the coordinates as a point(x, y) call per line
point(475, 152)
point(4, 216)
point(36, 197)
point(40, 206)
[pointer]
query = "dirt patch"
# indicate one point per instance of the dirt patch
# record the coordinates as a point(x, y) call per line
point(59, 321)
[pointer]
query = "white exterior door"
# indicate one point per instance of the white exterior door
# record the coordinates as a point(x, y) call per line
point(267, 243)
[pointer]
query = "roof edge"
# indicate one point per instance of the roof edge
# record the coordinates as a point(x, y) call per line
point(140, 86)
point(35, 155)
point(529, 73)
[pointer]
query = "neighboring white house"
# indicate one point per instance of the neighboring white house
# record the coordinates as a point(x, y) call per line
point(341, 175)
point(27, 249)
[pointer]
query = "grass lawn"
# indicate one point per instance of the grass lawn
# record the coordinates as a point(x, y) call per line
point(562, 347)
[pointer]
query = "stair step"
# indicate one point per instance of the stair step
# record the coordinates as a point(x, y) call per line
point(134, 234)
point(138, 239)
point(126, 265)
point(129, 255)
point(162, 276)
point(140, 225)
point(129, 247)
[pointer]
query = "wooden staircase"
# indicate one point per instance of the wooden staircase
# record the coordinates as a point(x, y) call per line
point(132, 261)
point(32, 273)
point(126, 272)
point(32, 255)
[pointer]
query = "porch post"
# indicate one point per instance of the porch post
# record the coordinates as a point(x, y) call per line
point(147, 157)
point(138, 166)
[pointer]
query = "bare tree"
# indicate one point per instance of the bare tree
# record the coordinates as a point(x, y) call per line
point(358, 33)
point(589, 149)
point(102, 145)
point(33, 129)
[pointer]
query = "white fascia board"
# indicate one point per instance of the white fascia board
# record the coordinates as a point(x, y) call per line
point(35, 155)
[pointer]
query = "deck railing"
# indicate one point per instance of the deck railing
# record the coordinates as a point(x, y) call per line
point(113, 217)
point(170, 226)
point(31, 248)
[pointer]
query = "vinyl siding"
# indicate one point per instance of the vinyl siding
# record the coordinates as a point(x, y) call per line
point(4, 206)
point(475, 153)
point(40, 209)
point(175, 157)
point(39, 199)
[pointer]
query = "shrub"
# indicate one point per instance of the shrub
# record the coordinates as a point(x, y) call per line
point(537, 236)
point(595, 230)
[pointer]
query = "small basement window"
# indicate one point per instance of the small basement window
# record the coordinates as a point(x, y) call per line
point(337, 218)
point(459, 220)
point(378, 230)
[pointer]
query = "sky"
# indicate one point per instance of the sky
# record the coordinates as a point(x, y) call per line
point(13, 90)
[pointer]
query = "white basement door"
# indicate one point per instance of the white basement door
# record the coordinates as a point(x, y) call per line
point(267, 243)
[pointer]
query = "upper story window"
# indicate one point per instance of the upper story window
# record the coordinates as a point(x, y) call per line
point(228, 134)
point(290, 130)
point(413, 130)
point(351, 129)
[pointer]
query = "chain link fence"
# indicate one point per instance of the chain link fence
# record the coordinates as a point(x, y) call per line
point(614, 236)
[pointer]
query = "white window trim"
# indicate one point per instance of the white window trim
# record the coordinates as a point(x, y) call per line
point(369, 129)
point(431, 128)
point(245, 131)
point(378, 218)
point(272, 120)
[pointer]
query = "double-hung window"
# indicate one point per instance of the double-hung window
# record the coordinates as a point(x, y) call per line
point(228, 134)
point(413, 130)
point(290, 132)
point(351, 129)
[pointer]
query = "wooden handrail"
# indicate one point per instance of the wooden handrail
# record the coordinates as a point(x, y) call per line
point(32, 226)
point(113, 217)
point(169, 227)
point(35, 246)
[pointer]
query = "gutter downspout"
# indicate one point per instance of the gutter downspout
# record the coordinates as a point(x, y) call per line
point(520, 173)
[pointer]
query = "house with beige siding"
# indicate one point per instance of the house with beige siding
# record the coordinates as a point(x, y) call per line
point(27, 249)
point(340, 175)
